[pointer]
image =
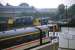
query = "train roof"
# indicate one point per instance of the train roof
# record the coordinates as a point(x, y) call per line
point(18, 31)
point(42, 27)
point(45, 26)
point(51, 25)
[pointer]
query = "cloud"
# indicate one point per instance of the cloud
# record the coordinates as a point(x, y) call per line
point(39, 3)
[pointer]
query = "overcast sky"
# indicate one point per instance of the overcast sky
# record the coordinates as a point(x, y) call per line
point(39, 3)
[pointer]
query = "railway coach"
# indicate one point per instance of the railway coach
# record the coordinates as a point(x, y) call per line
point(24, 38)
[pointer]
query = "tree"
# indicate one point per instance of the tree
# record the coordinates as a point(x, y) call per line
point(71, 10)
point(71, 14)
point(61, 11)
point(61, 8)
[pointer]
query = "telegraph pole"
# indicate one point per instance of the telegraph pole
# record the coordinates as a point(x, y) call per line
point(67, 26)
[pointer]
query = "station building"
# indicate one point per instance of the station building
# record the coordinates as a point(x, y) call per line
point(10, 10)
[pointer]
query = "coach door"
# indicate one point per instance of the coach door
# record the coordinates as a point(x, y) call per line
point(45, 36)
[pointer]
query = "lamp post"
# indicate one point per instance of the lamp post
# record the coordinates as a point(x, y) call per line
point(67, 26)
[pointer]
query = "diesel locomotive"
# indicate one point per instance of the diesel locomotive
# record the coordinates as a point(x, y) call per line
point(8, 23)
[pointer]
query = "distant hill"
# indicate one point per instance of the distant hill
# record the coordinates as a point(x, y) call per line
point(47, 10)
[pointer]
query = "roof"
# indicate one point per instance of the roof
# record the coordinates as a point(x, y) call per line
point(18, 31)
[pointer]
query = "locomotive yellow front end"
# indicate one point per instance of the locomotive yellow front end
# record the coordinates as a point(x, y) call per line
point(36, 22)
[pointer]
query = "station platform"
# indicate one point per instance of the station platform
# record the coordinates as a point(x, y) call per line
point(50, 46)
